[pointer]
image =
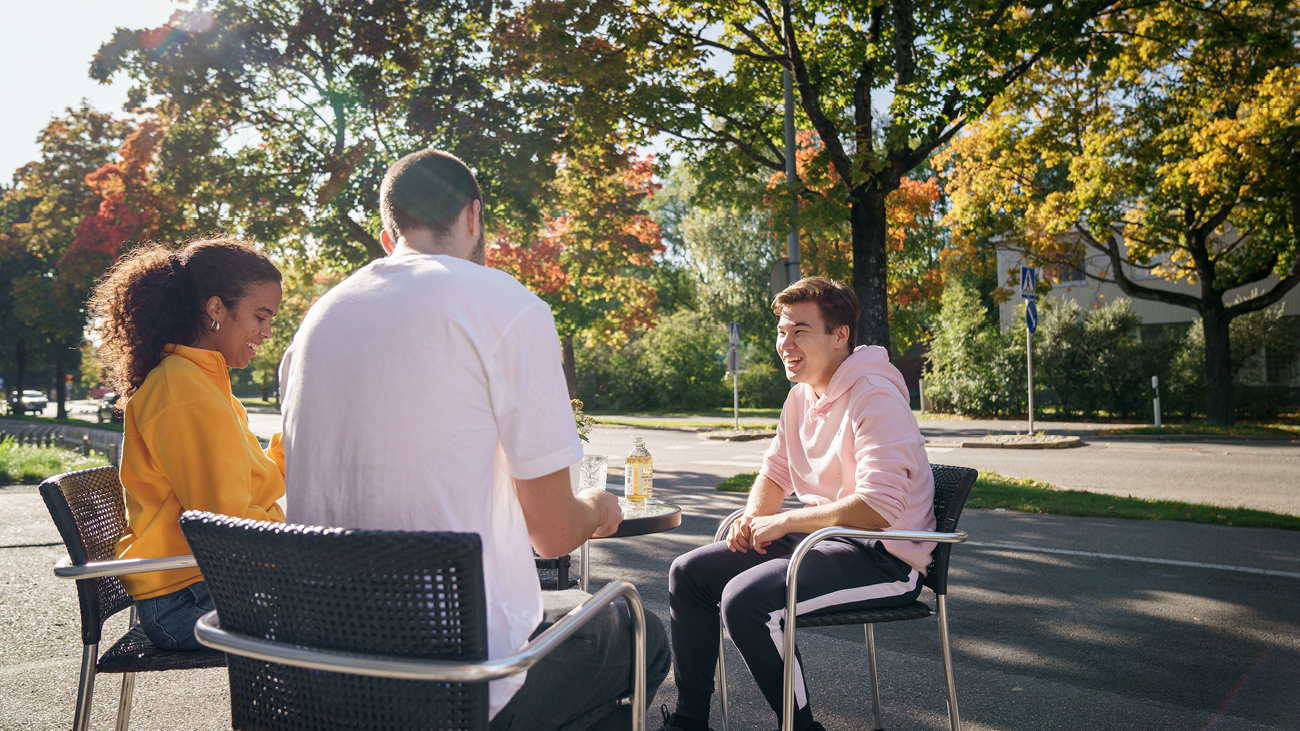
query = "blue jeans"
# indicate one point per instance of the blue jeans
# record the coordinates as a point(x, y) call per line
point(168, 620)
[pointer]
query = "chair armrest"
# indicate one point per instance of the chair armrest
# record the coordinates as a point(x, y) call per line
point(65, 569)
point(884, 535)
point(208, 631)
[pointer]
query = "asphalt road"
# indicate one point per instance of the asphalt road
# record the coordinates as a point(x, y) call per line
point(1056, 622)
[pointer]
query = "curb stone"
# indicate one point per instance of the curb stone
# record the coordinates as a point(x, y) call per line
point(1014, 442)
point(744, 435)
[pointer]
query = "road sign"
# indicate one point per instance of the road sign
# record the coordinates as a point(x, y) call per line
point(733, 360)
point(1028, 283)
point(734, 331)
point(1031, 317)
point(780, 278)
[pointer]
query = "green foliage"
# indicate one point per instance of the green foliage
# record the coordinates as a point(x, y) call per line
point(710, 75)
point(1091, 362)
point(676, 365)
point(1176, 156)
point(762, 385)
point(683, 360)
point(284, 116)
point(28, 464)
point(1249, 335)
point(973, 368)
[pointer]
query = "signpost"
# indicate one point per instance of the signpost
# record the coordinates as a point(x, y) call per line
point(733, 364)
point(1029, 293)
point(1155, 386)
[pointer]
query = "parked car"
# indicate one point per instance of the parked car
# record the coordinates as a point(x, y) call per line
point(33, 401)
point(108, 408)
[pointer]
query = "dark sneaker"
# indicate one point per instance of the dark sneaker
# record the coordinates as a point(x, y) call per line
point(670, 720)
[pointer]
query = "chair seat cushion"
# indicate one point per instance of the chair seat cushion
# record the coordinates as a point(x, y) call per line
point(915, 610)
point(135, 653)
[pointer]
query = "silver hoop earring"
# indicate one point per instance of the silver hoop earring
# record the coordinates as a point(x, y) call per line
point(215, 326)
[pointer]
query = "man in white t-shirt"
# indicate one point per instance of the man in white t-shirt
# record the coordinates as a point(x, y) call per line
point(426, 393)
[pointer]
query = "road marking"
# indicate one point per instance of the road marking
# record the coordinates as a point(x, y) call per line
point(730, 462)
point(938, 450)
point(1139, 559)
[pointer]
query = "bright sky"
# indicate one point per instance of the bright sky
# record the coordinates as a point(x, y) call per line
point(45, 49)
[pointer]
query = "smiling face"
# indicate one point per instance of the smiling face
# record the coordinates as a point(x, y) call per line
point(243, 327)
point(810, 354)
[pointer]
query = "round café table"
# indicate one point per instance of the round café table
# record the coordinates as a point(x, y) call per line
point(657, 518)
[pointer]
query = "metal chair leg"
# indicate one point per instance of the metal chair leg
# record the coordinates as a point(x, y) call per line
point(124, 703)
point(128, 685)
point(954, 719)
point(875, 679)
point(584, 565)
point(85, 686)
point(722, 677)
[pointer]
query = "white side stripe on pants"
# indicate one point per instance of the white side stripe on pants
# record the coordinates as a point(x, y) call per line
point(834, 598)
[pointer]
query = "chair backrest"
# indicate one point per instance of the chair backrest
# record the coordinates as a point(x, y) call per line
point(401, 594)
point(88, 509)
point(952, 485)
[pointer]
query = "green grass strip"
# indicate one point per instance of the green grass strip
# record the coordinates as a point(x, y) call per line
point(737, 483)
point(27, 464)
point(993, 491)
point(1275, 431)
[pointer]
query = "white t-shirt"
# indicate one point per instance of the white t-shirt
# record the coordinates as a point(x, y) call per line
point(412, 392)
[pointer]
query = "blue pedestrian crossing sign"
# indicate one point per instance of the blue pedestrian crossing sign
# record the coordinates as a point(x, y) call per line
point(734, 331)
point(1031, 317)
point(1028, 283)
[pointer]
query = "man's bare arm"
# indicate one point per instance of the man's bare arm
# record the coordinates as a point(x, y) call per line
point(764, 499)
point(559, 521)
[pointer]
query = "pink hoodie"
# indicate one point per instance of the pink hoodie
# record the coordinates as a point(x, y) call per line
point(859, 437)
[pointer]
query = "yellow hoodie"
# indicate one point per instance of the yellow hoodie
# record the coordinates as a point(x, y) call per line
point(187, 447)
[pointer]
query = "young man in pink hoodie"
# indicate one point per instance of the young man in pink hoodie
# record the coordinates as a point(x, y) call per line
point(848, 448)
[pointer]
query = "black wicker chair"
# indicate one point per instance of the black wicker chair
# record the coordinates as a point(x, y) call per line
point(952, 485)
point(87, 507)
point(352, 629)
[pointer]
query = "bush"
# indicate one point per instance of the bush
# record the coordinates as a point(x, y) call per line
point(973, 368)
point(762, 385)
point(677, 365)
point(1092, 361)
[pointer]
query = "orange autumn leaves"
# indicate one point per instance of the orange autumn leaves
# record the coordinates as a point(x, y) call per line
point(825, 245)
point(582, 263)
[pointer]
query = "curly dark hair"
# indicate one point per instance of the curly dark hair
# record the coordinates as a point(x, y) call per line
point(153, 298)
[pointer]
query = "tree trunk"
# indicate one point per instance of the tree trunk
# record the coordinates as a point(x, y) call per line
point(871, 266)
point(60, 388)
point(1218, 364)
point(570, 367)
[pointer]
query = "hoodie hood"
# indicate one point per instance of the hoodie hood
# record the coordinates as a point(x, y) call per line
point(868, 363)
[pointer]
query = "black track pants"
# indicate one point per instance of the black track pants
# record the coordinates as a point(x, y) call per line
point(749, 588)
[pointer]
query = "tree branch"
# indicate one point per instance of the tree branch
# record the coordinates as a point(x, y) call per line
point(810, 96)
point(371, 244)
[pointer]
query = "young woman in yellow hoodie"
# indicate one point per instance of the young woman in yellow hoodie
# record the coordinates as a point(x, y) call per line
point(173, 322)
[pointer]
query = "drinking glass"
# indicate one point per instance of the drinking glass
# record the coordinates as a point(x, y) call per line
point(592, 473)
